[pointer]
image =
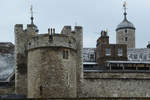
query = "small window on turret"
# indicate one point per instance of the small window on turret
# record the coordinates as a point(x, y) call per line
point(29, 43)
point(65, 54)
point(126, 38)
point(126, 31)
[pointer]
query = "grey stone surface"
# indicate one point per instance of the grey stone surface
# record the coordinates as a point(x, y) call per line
point(116, 75)
point(130, 35)
point(21, 40)
point(59, 40)
point(97, 84)
point(115, 88)
point(57, 76)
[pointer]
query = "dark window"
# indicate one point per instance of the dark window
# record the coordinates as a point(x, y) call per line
point(29, 43)
point(135, 56)
point(149, 55)
point(130, 56)
point(126, 31)
point(145, 57)
point(141, 56)
point(65, 54)
point(91, 57)
point(126, 38)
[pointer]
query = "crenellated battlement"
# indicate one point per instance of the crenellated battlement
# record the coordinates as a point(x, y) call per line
point(30, 28)
point(19, 25)
point(58, 40)
point(68, 30)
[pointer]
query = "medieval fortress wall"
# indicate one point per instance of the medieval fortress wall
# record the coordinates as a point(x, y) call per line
point(45, 73)
point(50, 65)
point(107, 84)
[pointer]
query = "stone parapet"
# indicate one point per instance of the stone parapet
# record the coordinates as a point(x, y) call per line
point(56, 40)
point(109, 75)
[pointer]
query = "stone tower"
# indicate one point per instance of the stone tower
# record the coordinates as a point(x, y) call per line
point(48, 65)
point(21, 41)
point(54, 63)
point(125, 32)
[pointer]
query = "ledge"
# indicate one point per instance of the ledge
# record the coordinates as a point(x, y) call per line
point(57, 40)
point(118, 75)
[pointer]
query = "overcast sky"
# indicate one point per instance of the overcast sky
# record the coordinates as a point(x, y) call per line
point(93, 15)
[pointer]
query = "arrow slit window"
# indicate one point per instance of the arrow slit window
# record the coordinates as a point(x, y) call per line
point(126, 38)
point(65, 54)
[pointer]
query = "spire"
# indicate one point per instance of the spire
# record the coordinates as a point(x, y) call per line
point(125, 13)
point(125, 23)
point(32, 18)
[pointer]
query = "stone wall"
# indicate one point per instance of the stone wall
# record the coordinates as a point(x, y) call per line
point(78, 35)
point(50, 75)
point(115, 85)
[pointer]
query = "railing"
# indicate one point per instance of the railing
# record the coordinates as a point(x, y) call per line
point(116, 69)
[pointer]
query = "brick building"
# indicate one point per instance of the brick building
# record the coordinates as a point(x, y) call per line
point(106, 51)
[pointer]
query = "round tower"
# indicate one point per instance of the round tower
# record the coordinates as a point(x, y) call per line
point(125, 32)
point(52, 66)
